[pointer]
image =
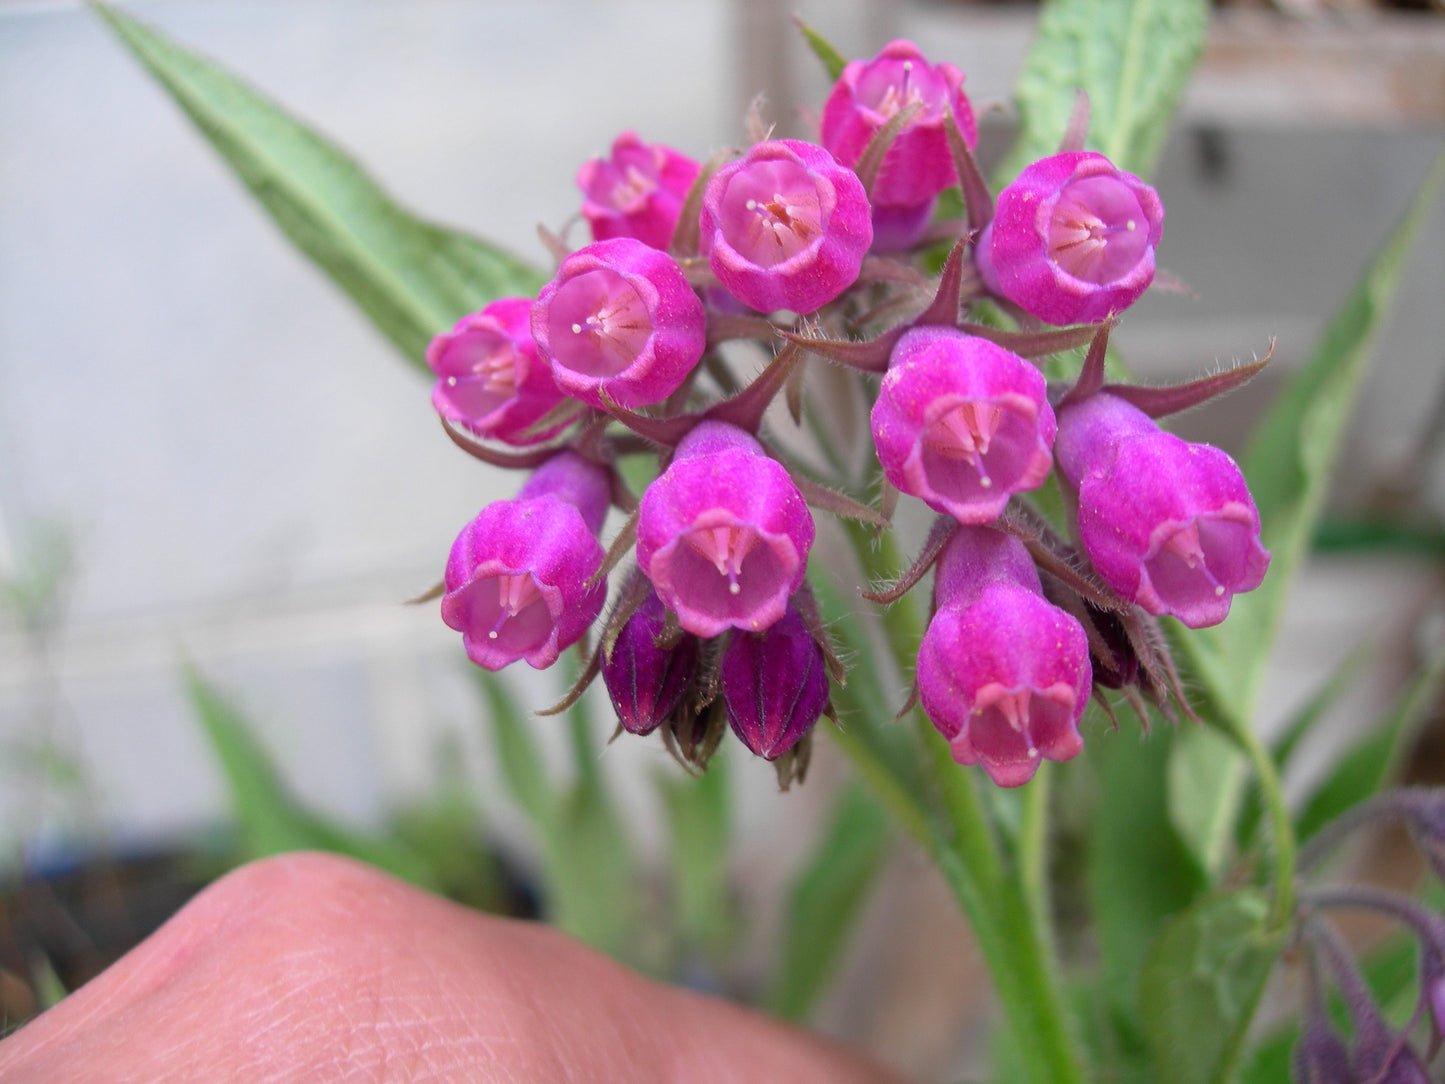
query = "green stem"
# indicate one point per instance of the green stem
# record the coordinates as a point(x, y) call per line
point(1033, 855)
point(1282, 828)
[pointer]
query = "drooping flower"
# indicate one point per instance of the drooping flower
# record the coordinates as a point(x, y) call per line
point(1072, 240)
point(786, 226)
point(918, 164)
point(619, 317)
point(517, 578)
point(723, 533)
point(638, 192)
point(962, 423)
point(1167, 524)
point(645, 680)
point(489, 377)
point(774, 685)
point(1002, 673)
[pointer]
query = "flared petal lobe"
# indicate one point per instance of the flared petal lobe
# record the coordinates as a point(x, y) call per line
point(723, 533)
point(786, 226)
point(1072, 240)
point(962, 423)
point(1003, 674)
point(1168, 524)
point(517, 577)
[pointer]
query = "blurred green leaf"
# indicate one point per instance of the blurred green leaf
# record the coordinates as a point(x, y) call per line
point(1139, 870)
point(826, 900)
point(523, 771)
point(413, 279)
point(1205, 777)
point(699, 819)
point(833, 61)
point(270, 819)
point(1290, 462)
point(1132, 57)
point(1372, 763)
point(1200, 985)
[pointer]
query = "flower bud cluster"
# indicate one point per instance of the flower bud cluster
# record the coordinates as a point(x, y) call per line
point(796, 248)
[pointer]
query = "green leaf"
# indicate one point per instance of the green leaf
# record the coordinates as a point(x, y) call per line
point(270, 819)
point(833, 61)
point(1139, 870)
point(412, 278)
point(1206, 777)
point(1132, 57)
point(1290, 462)
point(825, 902)
point(1201, 984)
point(699, 819)
point(1372, 763)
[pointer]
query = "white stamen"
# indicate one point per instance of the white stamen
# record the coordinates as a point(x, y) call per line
point(451, 382)
point(576, 329)
point(1219, 591)
point(1129, 225)
point(735, 588)
point(751, 205)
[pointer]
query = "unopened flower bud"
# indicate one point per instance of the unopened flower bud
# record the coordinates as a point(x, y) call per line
point(786, 226)
point(619, 317)
point(1167, 524)
point(638, 192)
point(723, 533)
point(962, 423)
point(1002, 673)
point(918, 164)
point(1072, 240)
point(646, 680)
point(774, 685)
point(517, 578)
point(489, 377)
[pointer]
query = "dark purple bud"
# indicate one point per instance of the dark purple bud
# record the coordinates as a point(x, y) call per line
point(646, 680)
point(774, 685)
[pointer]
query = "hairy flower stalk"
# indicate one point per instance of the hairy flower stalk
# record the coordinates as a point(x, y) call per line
point(518, 578)
point(619, 319)
point(1072, 240)
point(1167, 524)
point(1003, 674)
point(723, 533)
point(489, 377)
point(961, 423)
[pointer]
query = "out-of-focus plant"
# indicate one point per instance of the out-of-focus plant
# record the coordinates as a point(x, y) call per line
point(981, 343)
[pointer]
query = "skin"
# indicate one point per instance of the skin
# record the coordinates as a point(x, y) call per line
point(312, 967)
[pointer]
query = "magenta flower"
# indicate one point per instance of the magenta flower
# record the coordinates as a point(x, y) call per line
point(918, 165)
point(962, 423)
point(774, 685)
point(619, 317)
point(1002, 673)
point(1072, 240)
point(723, 533)
point(786, 226)
point(1166, 523)
point(647, 682)
point(516, 580)
point(638, 192)
point(489, 377)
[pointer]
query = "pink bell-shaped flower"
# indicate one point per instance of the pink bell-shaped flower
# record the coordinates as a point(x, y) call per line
point(962, 423)
point(918, 164)
point(638, 192)
point(1072, 240)
point(1003, 674)
point(786, 226)
point(489, 377)
point(1168, 524)
point(517, 578)
point(619, 317)
point(723, 533)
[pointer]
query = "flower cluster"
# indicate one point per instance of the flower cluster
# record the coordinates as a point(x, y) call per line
point(636, 350)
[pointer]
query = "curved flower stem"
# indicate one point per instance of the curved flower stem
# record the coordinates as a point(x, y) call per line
point(1000, 899)
point(1033, 856)
point(1281, 909)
